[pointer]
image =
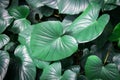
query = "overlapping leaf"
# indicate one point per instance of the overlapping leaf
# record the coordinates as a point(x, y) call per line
point(19, 11)
point(20, 25)
point(4, 39)
point(25, 69)
point(5, 19)
point(72, 6)
point(88, 23)
point(4, 62)
point(48, 42)
point(94, 69)
point(53, 72)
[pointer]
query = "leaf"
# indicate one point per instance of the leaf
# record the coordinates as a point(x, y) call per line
point(87, 23)
point(10, 47)
point(5, 19)
point(4, 62)
point(115, 36)
point(25, 35)
point(19, 11)
point(46, 11)
point(41, 64)
point(48, 42)
point(52, 72)
point(19, 25)
point(4, 3)
point(22, 67)
point(116, 60)
point(69, 75)
point(35, 3)
point(4, 39)
point(75, 68)
point(94, 69)
point(50, 3)
point(72, 6)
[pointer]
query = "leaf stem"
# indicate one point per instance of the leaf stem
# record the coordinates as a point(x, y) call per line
point(108, 53)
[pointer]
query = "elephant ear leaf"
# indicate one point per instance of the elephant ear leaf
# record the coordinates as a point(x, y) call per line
point(4, 62)
point(94, 69)
point(22, 66)
point(72, 6)
point(88, 23)
point(28, 70)
point(5, 19)
point(48, 42)
point(54, 72)
point(4, 39)
point(19, 12)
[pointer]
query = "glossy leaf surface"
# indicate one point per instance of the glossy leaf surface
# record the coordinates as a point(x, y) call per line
point(87, 23)
point(4, 39)
point(4, 62)
point(5, 19)
point(72, 6)
point(94, 69)
point(19, 11)
point(48, 42)
point(4, 3)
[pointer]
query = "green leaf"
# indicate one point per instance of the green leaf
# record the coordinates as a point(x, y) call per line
point(50, 3)
point(69, 75)
point(72, 6)
point(94, 69)
point(20, 25)
point(25, 35)
point(87, 23)
point(4, 62)
point(4, 3)
point(116, 60)
point(75, 68)
point(115, 36)
point(5, 19)
point(46, 11)
point(19, 11)
point(10, 47)
point(41, 64)
point(4, 39)
point(35, 3)
point(48, 42)
point(25, 68)
point(52, 72)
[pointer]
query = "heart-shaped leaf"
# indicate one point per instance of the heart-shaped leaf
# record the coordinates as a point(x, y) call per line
point(69, 75)
point(4, 3)
point(19, 11)
point(22, 66)
point(4, 62)
point(94, 69)
point(72, 6)
point(48, 42)
point(53, 72)
point(5, 19)
point(87, 23)
point(20, 25)
point(4, 39)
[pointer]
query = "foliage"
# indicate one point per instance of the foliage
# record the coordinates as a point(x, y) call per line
point(59, 40)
